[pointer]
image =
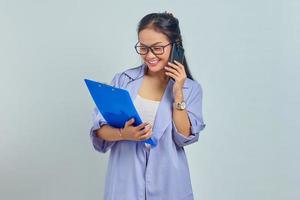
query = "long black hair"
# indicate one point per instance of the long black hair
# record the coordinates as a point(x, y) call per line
point(168, 25)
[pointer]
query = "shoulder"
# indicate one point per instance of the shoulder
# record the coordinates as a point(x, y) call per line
point(192, 85)
point(133, 70)
point(193, 89)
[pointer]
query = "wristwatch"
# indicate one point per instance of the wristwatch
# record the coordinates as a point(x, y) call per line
point(179, 105)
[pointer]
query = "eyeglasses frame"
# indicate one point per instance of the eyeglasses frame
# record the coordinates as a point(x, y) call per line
point(150, 47)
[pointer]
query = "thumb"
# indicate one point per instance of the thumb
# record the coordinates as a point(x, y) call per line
point(131, 121)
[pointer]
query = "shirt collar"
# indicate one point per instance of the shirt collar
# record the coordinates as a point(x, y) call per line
point(139, 72)
point(136, 73)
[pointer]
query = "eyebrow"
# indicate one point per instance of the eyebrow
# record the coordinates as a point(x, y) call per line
point(151, 44)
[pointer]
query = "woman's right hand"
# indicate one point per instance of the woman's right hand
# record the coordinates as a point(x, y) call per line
point(136, 133)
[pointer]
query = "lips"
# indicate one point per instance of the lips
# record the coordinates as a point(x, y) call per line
point(153, 62)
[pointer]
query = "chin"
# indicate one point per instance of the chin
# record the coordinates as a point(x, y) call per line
point(155, 68)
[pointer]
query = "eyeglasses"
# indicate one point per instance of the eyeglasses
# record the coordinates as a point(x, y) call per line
point(156, 50)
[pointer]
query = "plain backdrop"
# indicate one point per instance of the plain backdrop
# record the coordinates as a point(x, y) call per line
point(244, 53)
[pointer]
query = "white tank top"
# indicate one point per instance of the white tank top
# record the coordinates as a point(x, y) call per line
point(147, 110)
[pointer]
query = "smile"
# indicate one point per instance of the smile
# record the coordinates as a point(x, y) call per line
point(153, 62)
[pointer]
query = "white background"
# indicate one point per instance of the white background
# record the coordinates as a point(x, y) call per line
point(244, 53)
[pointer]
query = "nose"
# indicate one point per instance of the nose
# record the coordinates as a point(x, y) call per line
point(150, 54)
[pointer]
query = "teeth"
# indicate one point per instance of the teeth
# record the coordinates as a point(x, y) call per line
point(153, 61)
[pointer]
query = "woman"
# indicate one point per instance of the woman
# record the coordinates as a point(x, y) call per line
point(137, 171)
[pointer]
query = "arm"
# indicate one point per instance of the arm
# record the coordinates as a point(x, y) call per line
point(188, 123)
point(109, 133)
point(181, 118)
point(99, 143)
point(129, 132)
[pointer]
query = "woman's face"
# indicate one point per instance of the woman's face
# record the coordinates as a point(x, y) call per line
point(151, 38)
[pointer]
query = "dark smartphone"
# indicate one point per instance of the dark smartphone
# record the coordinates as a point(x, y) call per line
point(177, 54)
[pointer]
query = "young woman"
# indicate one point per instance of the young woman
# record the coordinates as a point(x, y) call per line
point(169, 102)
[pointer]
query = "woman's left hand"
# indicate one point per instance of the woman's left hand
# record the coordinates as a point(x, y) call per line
point(177, 72)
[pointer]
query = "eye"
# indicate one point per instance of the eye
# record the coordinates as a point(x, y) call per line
point(143, 48)
point(156, 48)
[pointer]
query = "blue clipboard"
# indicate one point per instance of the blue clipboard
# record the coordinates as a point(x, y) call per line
point(115, 105)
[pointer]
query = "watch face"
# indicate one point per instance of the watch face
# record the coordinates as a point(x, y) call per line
point(180, 106)
point(183, 105)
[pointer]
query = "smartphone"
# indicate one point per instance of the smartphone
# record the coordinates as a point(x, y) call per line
point(177, 54)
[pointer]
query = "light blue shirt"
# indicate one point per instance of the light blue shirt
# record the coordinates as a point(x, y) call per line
point(133, 173)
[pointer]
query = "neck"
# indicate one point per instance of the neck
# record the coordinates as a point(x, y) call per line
point(159, 76)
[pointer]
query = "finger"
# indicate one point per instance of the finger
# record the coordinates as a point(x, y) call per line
point(146, 136)
point(176, 65)
point(171, 75)
point(129, 122)
point(179, 64)
point(144, 131)
point(176, 68)
point(172, 70)
point(141, 126)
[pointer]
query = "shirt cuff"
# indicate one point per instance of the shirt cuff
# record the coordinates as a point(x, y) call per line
point(181, 140)
point(99, 143)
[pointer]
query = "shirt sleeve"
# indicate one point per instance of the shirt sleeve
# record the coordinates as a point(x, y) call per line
point(100, 144)
point(194, 110)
